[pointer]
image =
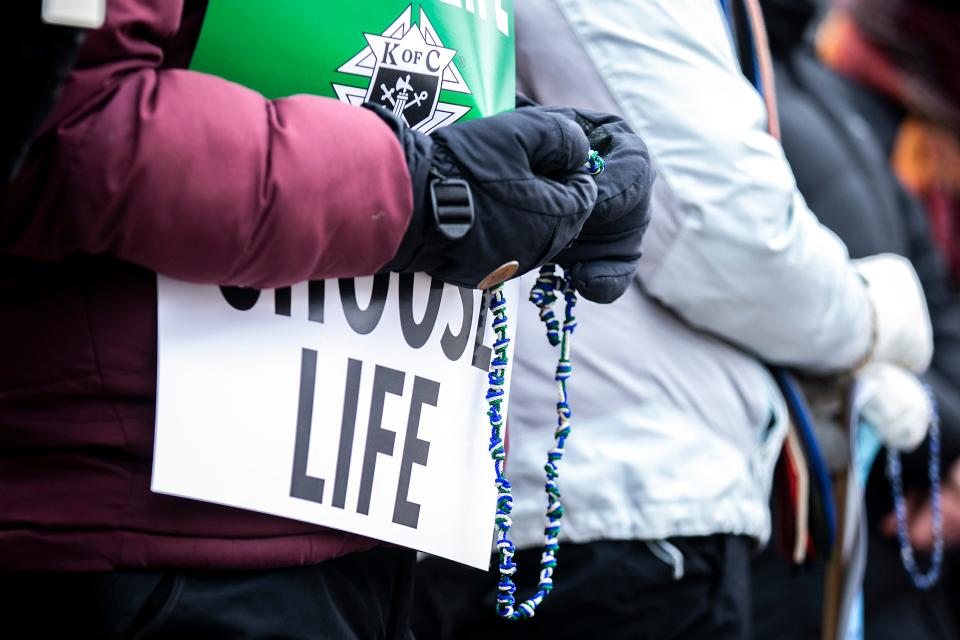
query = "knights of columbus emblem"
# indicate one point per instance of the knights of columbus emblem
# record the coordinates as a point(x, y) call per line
point(408, 66)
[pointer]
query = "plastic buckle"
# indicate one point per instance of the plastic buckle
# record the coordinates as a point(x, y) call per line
point(452, 206)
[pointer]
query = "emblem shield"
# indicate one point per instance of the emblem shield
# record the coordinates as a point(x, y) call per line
point(407, 75)
point(410, 95)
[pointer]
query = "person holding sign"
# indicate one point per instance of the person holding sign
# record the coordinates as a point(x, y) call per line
point(149, 166)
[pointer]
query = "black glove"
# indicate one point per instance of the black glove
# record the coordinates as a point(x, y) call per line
point(523, 172)
point(603, 258)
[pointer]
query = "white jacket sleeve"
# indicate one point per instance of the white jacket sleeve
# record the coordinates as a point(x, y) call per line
point(733, 248)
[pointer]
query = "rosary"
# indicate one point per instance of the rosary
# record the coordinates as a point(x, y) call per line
point(921, 581)
point(545, 292)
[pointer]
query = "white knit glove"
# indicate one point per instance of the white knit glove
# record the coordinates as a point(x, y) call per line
point(904, 335)
point(898, 408)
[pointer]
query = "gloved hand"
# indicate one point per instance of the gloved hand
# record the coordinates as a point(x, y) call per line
point(603, 258)
point(530, 196)
point(898, 408)
point(904, 335)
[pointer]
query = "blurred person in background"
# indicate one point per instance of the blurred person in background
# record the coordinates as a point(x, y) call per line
point(838, 133)
point(677, 422)
point(144, 167)
point(907, 54)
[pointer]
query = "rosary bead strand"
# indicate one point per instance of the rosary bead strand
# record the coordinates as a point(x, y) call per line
point(922, 581)
point(595, 163)
point(544, 294)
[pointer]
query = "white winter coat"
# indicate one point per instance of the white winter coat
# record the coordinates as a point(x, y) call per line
point(676, 423)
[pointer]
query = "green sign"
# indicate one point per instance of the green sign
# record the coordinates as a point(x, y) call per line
point(433, 62)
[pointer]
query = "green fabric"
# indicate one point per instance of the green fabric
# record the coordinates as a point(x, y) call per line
point(297, 46)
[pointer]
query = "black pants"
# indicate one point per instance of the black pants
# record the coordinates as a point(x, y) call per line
point(359, 596)
point(608, 590)
point(788, 602)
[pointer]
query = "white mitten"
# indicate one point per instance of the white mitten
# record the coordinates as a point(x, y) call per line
point(904, 334)
point(899, 407)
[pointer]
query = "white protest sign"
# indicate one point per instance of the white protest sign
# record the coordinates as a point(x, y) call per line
point(353, 404)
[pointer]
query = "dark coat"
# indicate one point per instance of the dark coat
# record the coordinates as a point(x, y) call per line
point(837, 137)
point(144, 168)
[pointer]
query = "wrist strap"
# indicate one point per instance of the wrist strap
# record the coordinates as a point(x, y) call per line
point(452, 205)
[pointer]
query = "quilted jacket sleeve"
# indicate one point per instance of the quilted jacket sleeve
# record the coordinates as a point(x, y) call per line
point(199, 178)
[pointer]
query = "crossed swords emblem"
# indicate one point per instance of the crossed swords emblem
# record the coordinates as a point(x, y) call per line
point(403, 90)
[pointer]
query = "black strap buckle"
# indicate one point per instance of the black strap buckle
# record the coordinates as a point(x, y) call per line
point(452, 206)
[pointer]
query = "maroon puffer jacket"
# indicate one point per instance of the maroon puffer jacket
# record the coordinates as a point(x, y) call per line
point(145, 167)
